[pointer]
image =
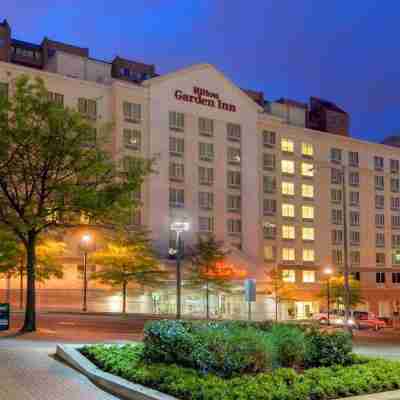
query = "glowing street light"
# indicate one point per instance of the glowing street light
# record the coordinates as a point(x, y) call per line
point(86, 240)
point(328, 271)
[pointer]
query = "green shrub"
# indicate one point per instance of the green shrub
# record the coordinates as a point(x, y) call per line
point(324, 349)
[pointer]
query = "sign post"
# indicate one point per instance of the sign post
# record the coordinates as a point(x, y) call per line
point(4, 316)
point(250, 293)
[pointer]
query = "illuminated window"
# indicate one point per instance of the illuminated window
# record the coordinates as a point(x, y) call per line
point(289, 275)
point(308, 233)
point(288, 210)
point(308, 276)
point(288, 254)
point(288, 232)
point(307, 169)
point(307, 191)
point(307, 149)
point(132, 139)
point(288, 188)
point(287, 145)
point(269, 253)
point(307, 212)
point(287, 166)
point(308, 255)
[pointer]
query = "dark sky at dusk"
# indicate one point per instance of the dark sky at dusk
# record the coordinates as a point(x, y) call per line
point(347, 51)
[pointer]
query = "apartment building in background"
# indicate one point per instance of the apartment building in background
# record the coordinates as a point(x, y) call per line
point(265, 177)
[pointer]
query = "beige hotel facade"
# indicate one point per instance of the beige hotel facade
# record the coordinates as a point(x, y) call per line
point(251, 172)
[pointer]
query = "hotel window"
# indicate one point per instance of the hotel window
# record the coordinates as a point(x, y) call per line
point(87, 107)
point(288, 232)
point(206, 200)
point(307, 212)
point(395, 221)
point(53, 97)
point(308, 233)
point(234, 132)
point(176, 121)
point(336, 155)
point(287, 145)
point(4, 89)
point(378, 163)
point(379, 182)
point(234, 203)
point(380, 258)
point(395, 257)
point(394, 166)
point(337, 217)
point(395, 277)
point(176, 146)
point(206, 127)
point(395, 185)
point(336, 196)
point(395, 240)
point(395, 203)
point(379, 201)
point(234, 226)
point(380, 239)
point(337, 256)
point(206, 176)
point(268, 161)
point(206, 151)
point(380, 277)
point(379, 219)
point(307, 191)
point(269, 231)
point(206, 224)
point(287, 167)
point(233, 155)
point(307, 149)
point(269, 253)
point(355, 238)
point(354, 198)
point(353, 159)
point(132, 139)
point(269, 206)
point(234, 179)
point(176, 171)
point(288, 188)
point(337, 236)
point(308, 276)
point(308, 255)
point(289, 275)
point(355, 259)
point(288, 210)
point(354, 178)
point(288, 254)
point(269, 184)
point(132, 112)
point(354, 218)
point(176, 198)
point(336, 176)
point(307, 169)
point(269, 138)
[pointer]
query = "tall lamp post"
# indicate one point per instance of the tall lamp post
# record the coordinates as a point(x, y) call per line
point(179, 227)
point(328, 272)
point(85, 243)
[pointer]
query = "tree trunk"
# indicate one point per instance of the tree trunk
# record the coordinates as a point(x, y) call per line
point(30, 310)
point(21, 286)
point(207, 301)
point(8, 289)
point(124, 285)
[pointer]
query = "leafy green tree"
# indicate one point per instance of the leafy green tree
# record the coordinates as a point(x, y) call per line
point(210, 271)
point(52, 170)
point(128, 258)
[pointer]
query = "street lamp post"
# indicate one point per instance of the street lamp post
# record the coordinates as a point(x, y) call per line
point(179, 228)
point(328, 271)
point(85, 242)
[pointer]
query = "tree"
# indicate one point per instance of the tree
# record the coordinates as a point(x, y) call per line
point(209, 270)
point(52, 170)
point(337, 292)
point(127, 258)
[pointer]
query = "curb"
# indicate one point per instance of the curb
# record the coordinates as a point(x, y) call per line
point(131, 391)
point(108, 382)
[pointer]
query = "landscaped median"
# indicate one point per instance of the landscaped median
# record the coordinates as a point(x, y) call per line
point(238, 361)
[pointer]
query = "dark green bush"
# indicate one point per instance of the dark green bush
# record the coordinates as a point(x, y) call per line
point(324, 349)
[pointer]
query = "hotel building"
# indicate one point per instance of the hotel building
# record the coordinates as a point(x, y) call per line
point(266, 177)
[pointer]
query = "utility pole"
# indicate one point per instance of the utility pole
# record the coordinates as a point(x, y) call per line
point(345, 250)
